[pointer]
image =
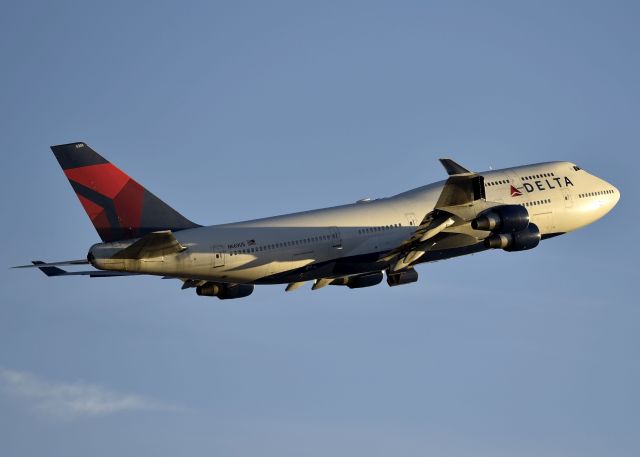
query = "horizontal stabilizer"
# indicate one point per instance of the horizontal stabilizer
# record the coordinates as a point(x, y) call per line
point(151, 245)
point(40, 264)
point(49, 270)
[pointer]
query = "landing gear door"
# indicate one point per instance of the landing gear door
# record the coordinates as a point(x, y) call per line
point(218, 256)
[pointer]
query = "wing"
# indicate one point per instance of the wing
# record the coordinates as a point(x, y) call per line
point(461, 200)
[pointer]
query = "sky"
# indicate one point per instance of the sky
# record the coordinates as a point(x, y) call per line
point(237, 110)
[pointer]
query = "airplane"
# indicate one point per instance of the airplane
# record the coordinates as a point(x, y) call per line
point(353, 245)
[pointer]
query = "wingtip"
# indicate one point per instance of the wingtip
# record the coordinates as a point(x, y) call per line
point(34, 263)
point(452, 167)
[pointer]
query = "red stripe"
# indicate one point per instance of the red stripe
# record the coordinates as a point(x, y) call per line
point(101, 223)
point(92, 209)
point(104, 178)
point(128, 205)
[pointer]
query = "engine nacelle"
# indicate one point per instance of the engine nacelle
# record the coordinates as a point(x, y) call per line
point(525, 239)
point(225, 291)
point(366, 280)
point(503, 219)
point(357, 282)
point(402, 277)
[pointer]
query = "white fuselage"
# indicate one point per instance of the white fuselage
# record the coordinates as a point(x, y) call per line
point(559, 197)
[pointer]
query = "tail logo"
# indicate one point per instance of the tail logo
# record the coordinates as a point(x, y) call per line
point(117, 205)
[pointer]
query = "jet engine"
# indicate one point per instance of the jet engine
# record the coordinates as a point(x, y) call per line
point(357, 282)
point(503, 219)
point(402, 277)
point(367, 280)
point(510, 227)
point(516, 241)
point(224, 291)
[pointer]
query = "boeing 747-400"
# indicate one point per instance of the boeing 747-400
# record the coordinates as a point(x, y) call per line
point(353, 245)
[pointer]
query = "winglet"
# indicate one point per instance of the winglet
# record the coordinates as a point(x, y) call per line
point(453, 168)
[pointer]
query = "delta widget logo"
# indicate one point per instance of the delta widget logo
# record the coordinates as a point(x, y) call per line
point(515, 192)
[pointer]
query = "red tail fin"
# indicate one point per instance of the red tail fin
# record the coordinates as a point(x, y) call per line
point(118, 206)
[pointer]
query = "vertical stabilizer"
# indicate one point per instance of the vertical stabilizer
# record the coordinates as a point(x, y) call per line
point(117, 205)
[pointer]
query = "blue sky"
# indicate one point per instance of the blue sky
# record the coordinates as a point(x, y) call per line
point(237, 110)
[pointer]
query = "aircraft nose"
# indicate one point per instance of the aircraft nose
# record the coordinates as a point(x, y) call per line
point(616, 195)
point(613, 197)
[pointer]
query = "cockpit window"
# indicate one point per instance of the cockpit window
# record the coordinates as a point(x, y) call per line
point(576, 168)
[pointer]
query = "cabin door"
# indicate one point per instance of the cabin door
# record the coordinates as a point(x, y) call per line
point(566, 196)
point(335, 239)
point(218, 256)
